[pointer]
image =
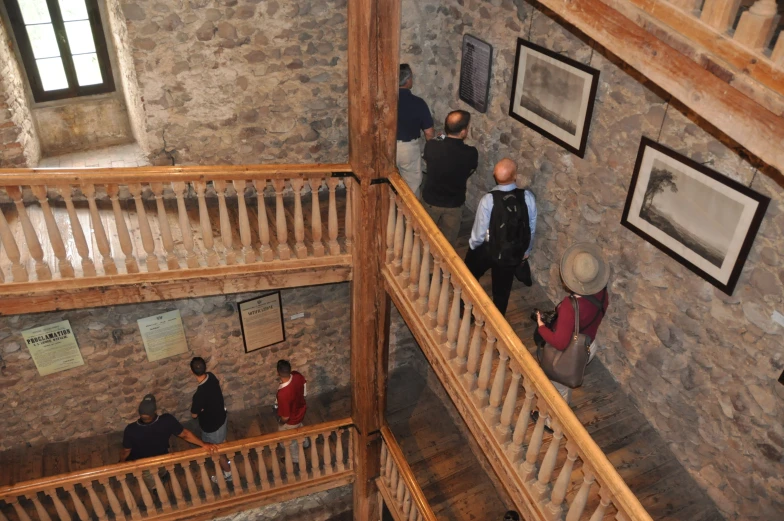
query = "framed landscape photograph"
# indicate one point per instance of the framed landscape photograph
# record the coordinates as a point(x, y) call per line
point(553, 95)
point(700, 218)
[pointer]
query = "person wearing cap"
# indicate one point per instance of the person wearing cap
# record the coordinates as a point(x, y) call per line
point(413, 119)
point(585, 274)
point(149, 436)
point(511, 515)
point(209, 408)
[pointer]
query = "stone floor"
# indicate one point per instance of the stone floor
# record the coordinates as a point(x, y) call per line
point(110, 157)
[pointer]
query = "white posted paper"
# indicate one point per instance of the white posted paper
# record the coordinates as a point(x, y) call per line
point(163, 335)
point(53, 347)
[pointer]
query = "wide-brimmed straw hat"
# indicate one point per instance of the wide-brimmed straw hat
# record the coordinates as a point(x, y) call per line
point(583, 269)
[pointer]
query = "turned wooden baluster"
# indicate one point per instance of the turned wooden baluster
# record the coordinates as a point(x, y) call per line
point(302, 472)
point(401, 491)
point(327, 456)
point(554, 506)
point(497, 390)
point(299, 224)
point(391, 220)
point(81, 511)
point(146, 496)
point(126, 244)
point(424, 278)
point(349, 184)
point(62, 512)
point(225, 224)
point(33, 245)
point(18, 271)
point(248, 253)
point(315, 466)
point(578, 503)
point(521, 427)
point(176, 488)
point(339, 462)
point(275, 466)
point(485, 371)
point(435, 291)
point(464, 335)
point(620, 516)
point(414, 515)
point(406, 503)
point(332, 217)
point(284, 252)
point(474, 351)
point(206, 226)
point(43, 515)
point(223, 490)
point(604, 503)
point(393, 479)
point(719, 14)
point(172, 262)
point(548, 463)
point(130, 501)
point(454, 325)
point(107, 261)
point(144, 228)
point(88, 267)
point(350, 463)
point(250, 479)
point(315, 217)
point(408, 246)
point(413, 277)
point(180, 189)
point(384, 456)
point(163, 495)
point(53, 231)
point(288, 462)
point(528, 468)
point(443, 307)
point(114, 503)
point(397, 247)
point(264, 232)
point(756, 25)
point(22, 513)
point(193, 490)
point(205, 480)
point(388, 470)
point(504, 429)
point(264, 481)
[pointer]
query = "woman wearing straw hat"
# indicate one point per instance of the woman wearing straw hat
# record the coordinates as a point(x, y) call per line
point(585, 274)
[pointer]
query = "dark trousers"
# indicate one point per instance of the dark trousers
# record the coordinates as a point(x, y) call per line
point(478, 261)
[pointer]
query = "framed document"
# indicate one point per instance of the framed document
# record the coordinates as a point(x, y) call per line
point(261, 320)
point(163, 335)
point(475, 72)
point(53, 347)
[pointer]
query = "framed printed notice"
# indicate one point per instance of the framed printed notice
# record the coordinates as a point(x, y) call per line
point(163, 335)
point(261, 319)
point(53, 347)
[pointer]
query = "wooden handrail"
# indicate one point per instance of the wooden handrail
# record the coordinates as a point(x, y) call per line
point(502, 333)
point(231, 447)
point(415, 494)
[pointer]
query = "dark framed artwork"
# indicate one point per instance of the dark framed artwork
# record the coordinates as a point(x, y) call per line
point(261, 321)
point(700, 218)
point(553, 95)
point(475, 72)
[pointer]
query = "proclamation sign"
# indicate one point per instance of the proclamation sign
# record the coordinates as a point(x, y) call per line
point(261, 319)
point(163, 335)
point(475, 72)
point(53, 347)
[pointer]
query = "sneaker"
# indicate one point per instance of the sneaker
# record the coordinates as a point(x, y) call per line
point(306, 443)
point(535, 418)
point(226, 476)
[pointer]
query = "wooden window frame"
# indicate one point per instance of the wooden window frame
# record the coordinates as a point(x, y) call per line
point(28, 59)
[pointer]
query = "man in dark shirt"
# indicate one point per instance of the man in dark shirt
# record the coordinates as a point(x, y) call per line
point(450, 162)
point(149, 436)
point(209, 408)
point(413, 117)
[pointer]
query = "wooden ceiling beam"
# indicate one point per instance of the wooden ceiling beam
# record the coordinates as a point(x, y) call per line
point(751, 125)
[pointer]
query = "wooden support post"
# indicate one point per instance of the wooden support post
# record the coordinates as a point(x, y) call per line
point(373, 51)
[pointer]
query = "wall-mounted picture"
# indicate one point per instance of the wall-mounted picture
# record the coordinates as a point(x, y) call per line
point(553, 95)
point(700, 218)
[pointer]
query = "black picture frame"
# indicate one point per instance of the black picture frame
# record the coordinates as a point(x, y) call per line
point(473, 73)
point(679, 236)
point(554, 128)
point(242, 324)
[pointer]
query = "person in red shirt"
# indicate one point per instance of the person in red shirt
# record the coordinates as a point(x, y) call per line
point(290, 402)
point(585, 274)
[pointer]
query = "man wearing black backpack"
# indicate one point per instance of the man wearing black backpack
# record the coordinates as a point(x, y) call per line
point(503, 232)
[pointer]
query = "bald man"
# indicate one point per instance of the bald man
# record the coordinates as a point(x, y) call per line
point(450, 162)
point(503, 232)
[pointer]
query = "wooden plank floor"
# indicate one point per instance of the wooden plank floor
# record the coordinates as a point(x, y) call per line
point(642, 457)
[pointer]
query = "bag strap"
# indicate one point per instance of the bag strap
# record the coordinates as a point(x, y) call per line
point(576, 317)
point(599, 306)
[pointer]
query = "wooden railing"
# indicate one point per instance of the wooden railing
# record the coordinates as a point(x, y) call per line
point(397, 484)
point(88, 227)
point(262, 467)
point(488, 371)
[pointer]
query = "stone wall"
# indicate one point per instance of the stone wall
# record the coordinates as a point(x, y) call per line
point(241, 81)
point(701, 365)
point(328, 505)
point(19, 145)
point(102, 395)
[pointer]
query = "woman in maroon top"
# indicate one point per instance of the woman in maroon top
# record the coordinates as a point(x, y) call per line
point(585, 274)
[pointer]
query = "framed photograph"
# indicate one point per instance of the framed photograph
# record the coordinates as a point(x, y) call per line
point(475, 72)
point(553, 95)
point(700, 218)
point(261, 321)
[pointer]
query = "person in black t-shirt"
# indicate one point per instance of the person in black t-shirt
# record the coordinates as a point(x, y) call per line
point(149, 436)
point(450, 162)
point(210, 410)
